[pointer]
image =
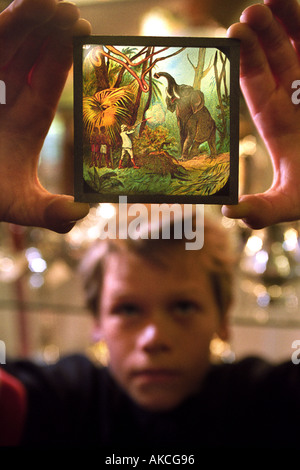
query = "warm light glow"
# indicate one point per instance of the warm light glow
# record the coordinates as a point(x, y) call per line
point(106, 211)
point(254, 244)
point(93, 232)
point(221, 350)
point(155, 24)
point(228, 223)
point(283, 265)
point(275, 291)
point(217, 346)
point(6, 264)
point(99, 353)
point(259, 289)
point(248, 145)
point(290, 240)
point(11, 267)
point(75, 237)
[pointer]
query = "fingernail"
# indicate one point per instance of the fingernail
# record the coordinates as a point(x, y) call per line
point(62, 2)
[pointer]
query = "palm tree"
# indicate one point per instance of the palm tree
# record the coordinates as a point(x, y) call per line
point(108, 108)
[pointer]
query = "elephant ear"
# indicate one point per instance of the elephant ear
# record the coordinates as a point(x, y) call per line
point(197, 100)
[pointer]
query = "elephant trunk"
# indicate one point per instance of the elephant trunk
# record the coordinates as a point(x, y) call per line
point(172, 89)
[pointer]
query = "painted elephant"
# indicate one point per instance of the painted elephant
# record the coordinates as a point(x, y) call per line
point(195, 123)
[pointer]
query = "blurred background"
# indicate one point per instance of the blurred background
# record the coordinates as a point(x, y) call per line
point(42, 311)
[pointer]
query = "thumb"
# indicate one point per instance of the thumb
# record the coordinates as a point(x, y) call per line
point(61, 213)
point(262, 210)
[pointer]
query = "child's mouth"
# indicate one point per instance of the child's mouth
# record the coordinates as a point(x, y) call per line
point(151, 376)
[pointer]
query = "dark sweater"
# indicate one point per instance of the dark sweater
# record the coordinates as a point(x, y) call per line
point(76, 404)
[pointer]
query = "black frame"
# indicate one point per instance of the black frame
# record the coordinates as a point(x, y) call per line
point(84, 192)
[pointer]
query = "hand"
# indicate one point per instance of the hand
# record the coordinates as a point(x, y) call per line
point(270, 63)
point(35, 58)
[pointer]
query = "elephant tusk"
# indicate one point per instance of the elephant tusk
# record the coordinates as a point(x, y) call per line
point(172, 98)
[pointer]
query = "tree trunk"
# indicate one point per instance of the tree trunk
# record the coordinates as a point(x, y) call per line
point(148, 104)
point(101, 72)
point(218, 84)
point(139, 92)
point(200, 73)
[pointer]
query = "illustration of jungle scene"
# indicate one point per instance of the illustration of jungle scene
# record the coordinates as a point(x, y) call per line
point(156, 120)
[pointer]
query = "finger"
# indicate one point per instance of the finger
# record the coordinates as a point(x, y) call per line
point(19, 20)
point(279, 51)
point(81, 28)
point(15, 74)
point(46, 81)
point(63, 19)
point(262, 210)
point(38, 208)
point(59, 26)
point(288, 11)
point(66, 14)
point(256, 77)
point(50, 72)
point(61, 213)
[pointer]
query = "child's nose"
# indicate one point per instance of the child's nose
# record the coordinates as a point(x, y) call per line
point(155, 337)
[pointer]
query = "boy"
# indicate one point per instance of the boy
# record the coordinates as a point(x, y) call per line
point(158, 307)
point(147, 400)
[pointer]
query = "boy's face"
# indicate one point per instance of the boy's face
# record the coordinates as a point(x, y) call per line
point(158, 323)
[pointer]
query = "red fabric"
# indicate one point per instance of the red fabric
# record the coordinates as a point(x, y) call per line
point(12, 409)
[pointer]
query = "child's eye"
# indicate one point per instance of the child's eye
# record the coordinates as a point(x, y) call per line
point(186, 307)
point(126, 309)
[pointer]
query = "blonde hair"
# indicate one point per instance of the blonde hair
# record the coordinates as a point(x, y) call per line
point(216, 257)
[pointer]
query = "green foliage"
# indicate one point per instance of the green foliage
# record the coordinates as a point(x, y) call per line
point(154, 140)
point(223, 139)
point(89, 85)
point(89, 81)
point(201, 182)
